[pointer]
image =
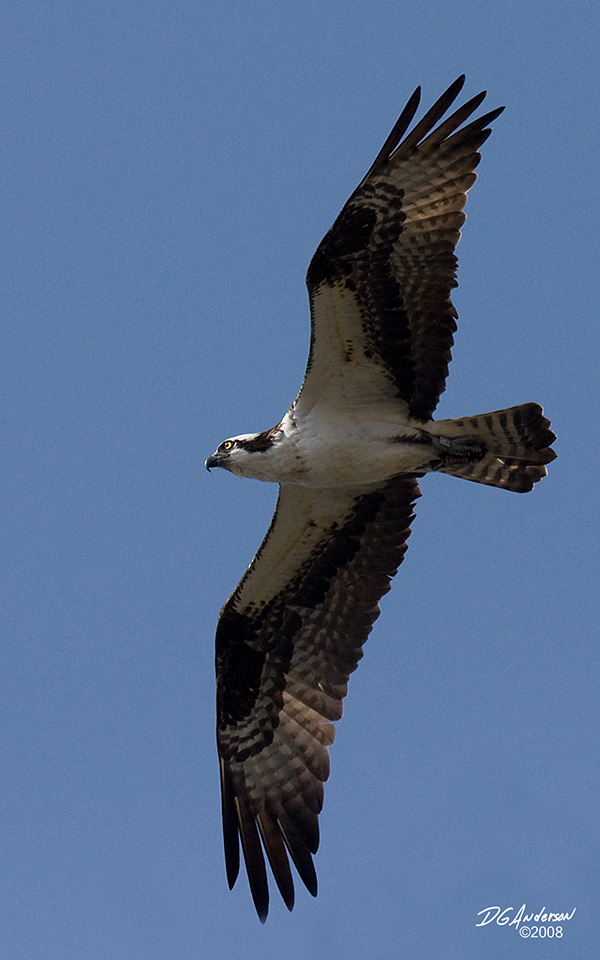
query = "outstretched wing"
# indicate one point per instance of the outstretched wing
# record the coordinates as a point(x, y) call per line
point(287, 641)
point(380, 281)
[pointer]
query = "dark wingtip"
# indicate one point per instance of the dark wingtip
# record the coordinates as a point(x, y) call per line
point(458, 83)
point(491, 116)
point(230, 827)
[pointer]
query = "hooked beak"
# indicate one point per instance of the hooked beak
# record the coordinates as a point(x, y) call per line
point(214, 461)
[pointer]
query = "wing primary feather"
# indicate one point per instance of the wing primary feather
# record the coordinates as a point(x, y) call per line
point(476, 126)
point(435, 113)
point(429, 120)
point(231, 841)
point(253, 855)
point(399, 129)
point(299, 853)
point(277, 856)
point(453, 121)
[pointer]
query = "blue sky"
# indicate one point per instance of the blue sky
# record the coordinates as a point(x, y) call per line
point(168, 170)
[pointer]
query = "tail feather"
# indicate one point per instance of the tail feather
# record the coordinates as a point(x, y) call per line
point(506, 448)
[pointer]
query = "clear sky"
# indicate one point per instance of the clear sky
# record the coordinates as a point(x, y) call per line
point(167, 171)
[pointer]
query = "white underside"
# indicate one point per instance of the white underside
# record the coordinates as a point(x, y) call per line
point(339, 451)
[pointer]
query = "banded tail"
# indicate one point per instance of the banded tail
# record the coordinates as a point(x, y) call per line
point(506, 448)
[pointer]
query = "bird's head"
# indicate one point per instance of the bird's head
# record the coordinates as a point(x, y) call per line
point(226, 455)
point(242, 455)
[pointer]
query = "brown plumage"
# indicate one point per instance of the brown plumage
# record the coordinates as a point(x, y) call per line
point(303, 643)
point(382, 325)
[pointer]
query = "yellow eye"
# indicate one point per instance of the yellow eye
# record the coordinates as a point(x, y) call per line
point(228, 445)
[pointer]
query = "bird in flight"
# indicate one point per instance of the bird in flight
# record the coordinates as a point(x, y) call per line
point(347, 456)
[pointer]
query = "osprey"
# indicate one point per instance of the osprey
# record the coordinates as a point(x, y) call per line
point(347, 457)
